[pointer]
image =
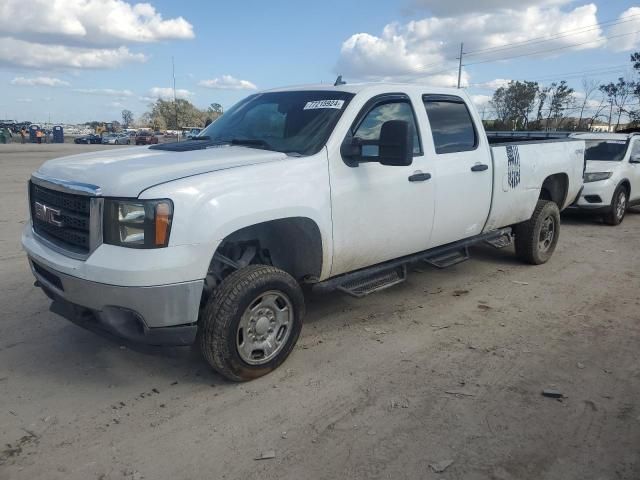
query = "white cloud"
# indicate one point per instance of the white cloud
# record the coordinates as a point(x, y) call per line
point(405, 51)
point(166, 93)
point(227, 82)
point(116, 105)
point(107, 92)
point(480, 100)
point(89, 22)
point(39, 82)
point(628, 33)
point(49, 34)
point(439, 7)
point(493, 84)
point(41, 56)
point(24, 100)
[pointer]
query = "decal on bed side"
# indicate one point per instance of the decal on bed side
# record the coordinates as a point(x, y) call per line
point(513, 162)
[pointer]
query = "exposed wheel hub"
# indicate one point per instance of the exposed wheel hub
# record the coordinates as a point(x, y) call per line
point(622, 205)
point(547, 234)
point(264, 327)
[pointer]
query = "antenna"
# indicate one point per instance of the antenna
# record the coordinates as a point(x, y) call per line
point(175, 103)
point(339, 81)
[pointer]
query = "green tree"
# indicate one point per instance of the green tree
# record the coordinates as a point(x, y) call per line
point(514, 104)
point(618, 94)
point(170, 115)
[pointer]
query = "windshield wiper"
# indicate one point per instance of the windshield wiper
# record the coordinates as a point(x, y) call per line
point(205, 137)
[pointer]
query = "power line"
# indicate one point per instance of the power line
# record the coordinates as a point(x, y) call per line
point(564, 76)
point(555, 36)
point(550, 49)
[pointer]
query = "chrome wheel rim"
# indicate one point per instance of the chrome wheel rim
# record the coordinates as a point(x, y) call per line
point(547, 234)
point(264, 328)
point(621, 205)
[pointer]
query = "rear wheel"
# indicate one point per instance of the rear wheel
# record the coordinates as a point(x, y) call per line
point(618, 208)
point(536, 239)
point(252, 322)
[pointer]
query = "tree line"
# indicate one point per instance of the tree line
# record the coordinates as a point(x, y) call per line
point(527, 105)
point(170, 115)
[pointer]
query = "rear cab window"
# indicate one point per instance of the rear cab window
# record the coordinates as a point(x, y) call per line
point(452, 126)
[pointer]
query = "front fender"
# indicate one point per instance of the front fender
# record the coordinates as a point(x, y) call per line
point(212, 206)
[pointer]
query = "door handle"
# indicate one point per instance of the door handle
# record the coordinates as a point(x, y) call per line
point(419, 177)
point(479, 167)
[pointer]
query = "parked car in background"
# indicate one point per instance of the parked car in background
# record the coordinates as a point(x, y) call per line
point(116, 139)
point(191, 132)
point(145, 137)
point(91, 138)
point(612, 174)
point(212, 240)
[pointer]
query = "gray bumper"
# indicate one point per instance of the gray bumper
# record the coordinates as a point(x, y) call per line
point(159, 315)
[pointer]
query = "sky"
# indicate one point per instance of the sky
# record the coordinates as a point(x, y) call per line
point(72, 61)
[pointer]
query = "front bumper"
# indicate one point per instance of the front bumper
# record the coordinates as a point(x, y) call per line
point(124, 311)
point(595, 196)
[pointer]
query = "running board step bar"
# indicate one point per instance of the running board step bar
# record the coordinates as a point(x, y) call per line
point(384, 275)
point(501, 242)
point(449, 259)
point(361, 287)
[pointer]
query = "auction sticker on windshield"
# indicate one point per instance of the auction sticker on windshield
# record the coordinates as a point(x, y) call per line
point(324, 104)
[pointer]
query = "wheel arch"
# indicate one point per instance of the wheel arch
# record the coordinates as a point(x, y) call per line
point(293, 244)
point(627, 184)
point(555, 188)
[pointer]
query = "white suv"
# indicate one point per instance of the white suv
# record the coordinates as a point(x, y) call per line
point(612, 174)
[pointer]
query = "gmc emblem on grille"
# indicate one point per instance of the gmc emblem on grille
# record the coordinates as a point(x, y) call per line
point(47, 214)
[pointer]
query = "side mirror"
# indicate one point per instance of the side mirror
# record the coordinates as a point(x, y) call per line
point(351, 150)
point(396, 143)
point(394, 148)
point(635, 158)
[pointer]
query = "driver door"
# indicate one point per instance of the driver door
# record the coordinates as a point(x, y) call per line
point(379, 212)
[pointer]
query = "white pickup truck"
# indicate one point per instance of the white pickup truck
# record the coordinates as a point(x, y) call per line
point(209, 241)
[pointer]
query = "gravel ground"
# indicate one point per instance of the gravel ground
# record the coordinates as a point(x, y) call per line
point(442, 373)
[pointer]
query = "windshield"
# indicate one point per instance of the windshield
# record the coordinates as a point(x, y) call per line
point(290, 122)
point(607, 150)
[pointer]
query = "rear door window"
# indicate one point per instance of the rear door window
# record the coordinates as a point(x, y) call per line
point(451, 124)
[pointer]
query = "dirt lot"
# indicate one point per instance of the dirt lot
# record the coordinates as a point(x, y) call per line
point(448, 367)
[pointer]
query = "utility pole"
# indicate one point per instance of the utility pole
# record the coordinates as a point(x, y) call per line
point(460, 64)
point(610, 112)
point(175, 102)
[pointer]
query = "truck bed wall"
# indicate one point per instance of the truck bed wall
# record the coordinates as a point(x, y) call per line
point(519, 170)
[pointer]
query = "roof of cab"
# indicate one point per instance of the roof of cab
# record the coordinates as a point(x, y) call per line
point(360, 87)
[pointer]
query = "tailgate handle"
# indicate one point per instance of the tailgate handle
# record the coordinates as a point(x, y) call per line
point(419, 177)
point(479, 167)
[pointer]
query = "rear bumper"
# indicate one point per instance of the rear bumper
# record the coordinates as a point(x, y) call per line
point(124, 311)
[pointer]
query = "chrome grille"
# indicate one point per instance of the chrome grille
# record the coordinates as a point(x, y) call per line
point(69, 226)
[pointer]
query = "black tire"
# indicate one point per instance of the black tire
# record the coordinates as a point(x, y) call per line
point(534, 242)
point(218, 331)
point(618, 207)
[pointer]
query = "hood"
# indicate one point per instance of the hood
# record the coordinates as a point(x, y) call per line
point(601, 166)
point(127, 172)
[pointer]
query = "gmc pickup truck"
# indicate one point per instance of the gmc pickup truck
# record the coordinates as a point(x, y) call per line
point(210, 241)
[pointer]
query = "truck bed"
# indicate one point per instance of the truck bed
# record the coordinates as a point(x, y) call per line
point(504, 137)
point(521, 167)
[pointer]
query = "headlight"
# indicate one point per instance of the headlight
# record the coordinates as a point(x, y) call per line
point(137, 223)
point(596, 176)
